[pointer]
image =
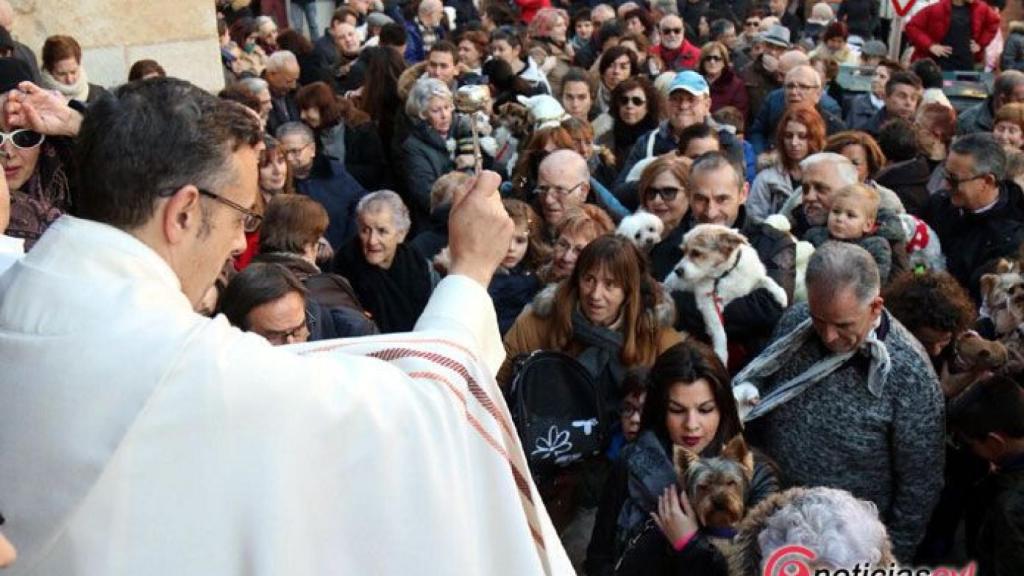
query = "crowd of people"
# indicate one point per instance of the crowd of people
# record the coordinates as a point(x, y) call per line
point(891, 218)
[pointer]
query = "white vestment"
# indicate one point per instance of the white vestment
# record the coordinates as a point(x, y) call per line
point(139, 438)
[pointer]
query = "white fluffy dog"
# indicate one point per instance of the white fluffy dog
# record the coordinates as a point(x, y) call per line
point(719, 266)
point(642, 229)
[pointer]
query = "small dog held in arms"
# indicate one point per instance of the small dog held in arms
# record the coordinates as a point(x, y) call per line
point(641, 228)
point(719, 266)
point(717, 488)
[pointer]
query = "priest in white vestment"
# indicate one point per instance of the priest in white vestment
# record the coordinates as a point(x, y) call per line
point(139, 438)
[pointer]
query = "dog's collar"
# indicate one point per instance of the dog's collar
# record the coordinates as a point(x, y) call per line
point(727, 532)
point(727, 272)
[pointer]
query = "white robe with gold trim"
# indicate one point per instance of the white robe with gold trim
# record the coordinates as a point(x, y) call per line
point(138, 438)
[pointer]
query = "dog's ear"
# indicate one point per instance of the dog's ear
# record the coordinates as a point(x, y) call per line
point(736, 449)
point(987, 283)
point(727, 243)
point(682, 458)
point(1003, 266)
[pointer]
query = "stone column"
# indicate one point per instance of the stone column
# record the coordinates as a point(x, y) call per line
point(181, 35)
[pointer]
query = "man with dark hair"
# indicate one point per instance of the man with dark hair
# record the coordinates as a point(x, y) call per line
point(441, 60)
point(907, 171)
point(1008, 88)
point(268, 300)
point(717, 194)
point(394, 35)
point(724, 30)
point(902, 95)
point(978, 217)
point(989, 419)
point(205, 450)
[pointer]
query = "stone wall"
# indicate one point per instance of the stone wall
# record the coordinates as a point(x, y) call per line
point(180, 35)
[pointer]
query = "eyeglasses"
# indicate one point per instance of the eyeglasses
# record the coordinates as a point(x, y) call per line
point(557, 191)
point(295, 151)
point(252, 220)
point(671, 31)
point(634, 100)
point(22, 139)
point(713, 58)
point(793, 87)
point(299, 333)
point(955, 183)
point(668, 193)
point(630, 410)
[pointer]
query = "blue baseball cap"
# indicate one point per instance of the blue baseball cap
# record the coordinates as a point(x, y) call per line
point(690, 81)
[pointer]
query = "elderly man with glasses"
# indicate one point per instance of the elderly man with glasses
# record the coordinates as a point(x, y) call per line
point(674, 50)
point(978, 217)
point(802, 87)
point(563, 182)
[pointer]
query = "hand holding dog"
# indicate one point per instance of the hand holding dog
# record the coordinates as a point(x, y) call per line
point(675, 516)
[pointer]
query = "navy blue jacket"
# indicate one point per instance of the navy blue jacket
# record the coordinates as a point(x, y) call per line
point(762, 131)
point(338, 192)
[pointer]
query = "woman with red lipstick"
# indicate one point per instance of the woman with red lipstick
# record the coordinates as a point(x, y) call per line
point(689, 404)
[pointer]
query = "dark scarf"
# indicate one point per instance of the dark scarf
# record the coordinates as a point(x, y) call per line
point(625, 136)
point(43, 198)
point(649, 471)
point(395, 297)
point(603, 348)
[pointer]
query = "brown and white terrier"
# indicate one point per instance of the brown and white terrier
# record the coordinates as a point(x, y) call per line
point(719, 265)
point(717, 488)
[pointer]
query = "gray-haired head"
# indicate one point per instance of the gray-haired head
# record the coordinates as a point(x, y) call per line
point(253, 86)
point(839, 266)
point(386, 199)
point(280, 60)
point(293, 129)
point(841, 529)
point(422, 92)
point(262, 21)
point(989, 156)
point(712, 161)
point(845, 170)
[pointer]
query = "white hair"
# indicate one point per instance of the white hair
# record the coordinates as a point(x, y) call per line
point(376, 200)
point(281, 59)
point(845, 169)
point(422, 91)
point(840, 529)
point(263, 20)
point(426, 5)
point(253, 85)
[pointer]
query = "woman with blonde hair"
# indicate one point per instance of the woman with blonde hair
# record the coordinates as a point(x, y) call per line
point(662, 192)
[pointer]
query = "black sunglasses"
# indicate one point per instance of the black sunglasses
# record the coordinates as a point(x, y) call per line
point(668, 193)
point(23, 139)
point(713, 58)
point(634, 100)
point(671, 30)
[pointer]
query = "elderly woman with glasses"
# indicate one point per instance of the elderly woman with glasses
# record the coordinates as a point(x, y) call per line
point(429, 148)
point(392, 278)
point(727, 87)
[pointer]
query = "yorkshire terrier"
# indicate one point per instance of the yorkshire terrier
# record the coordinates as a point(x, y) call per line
point(717, 488)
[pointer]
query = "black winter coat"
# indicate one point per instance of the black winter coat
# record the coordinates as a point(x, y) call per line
point(972, 242)
point(426, 159)
point(909, 180)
